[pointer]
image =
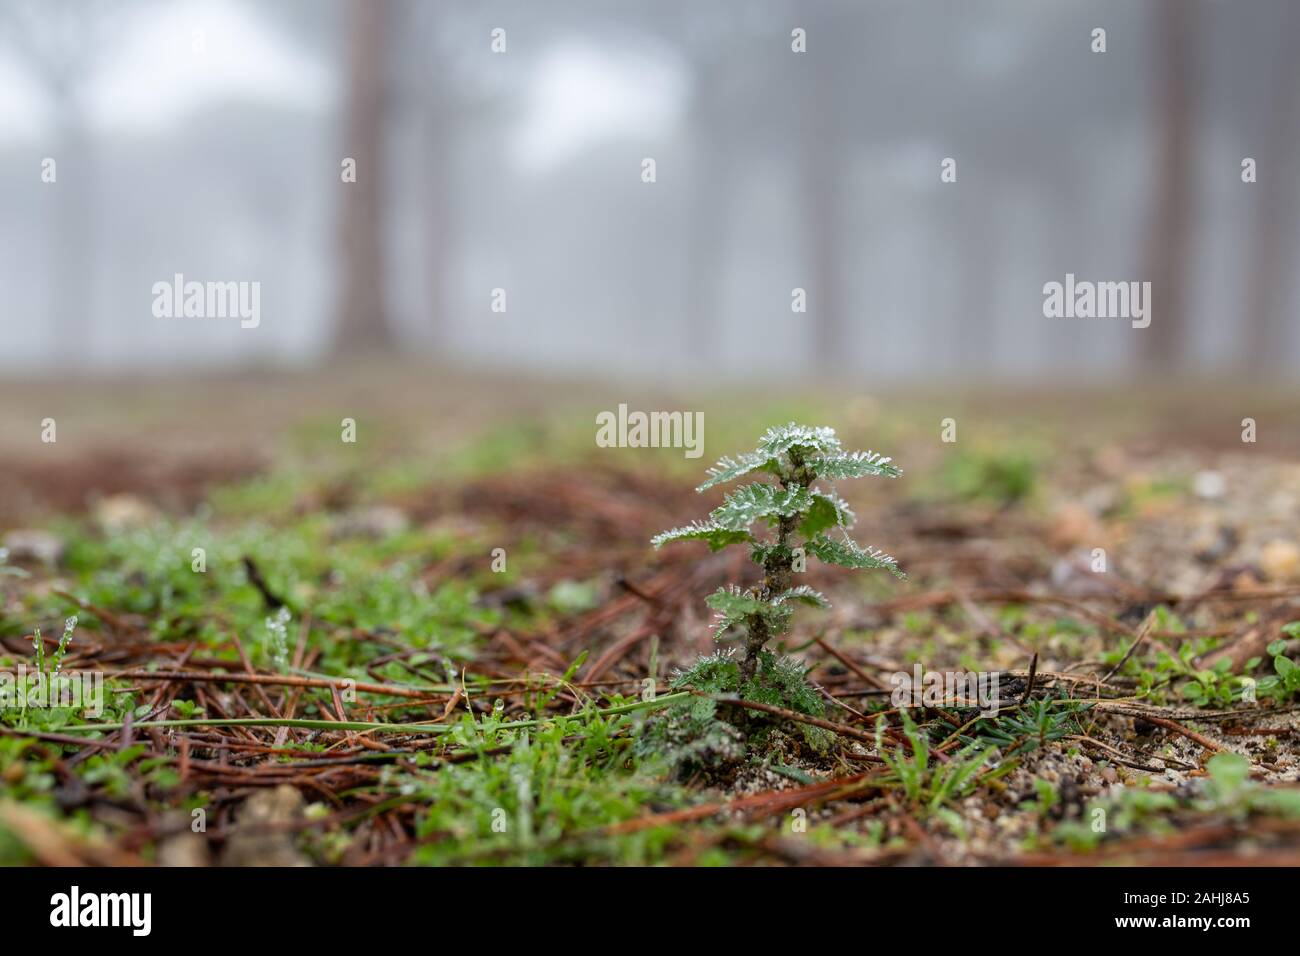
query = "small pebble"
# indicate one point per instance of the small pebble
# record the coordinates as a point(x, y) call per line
point(1209, 485)
point(1280, 561)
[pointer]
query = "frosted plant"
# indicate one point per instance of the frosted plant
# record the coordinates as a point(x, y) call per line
point(69, 626)
point(56, 662)
point(277, 638)
point(802, 518)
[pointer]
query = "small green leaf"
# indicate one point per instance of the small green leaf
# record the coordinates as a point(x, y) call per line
point(858, 464)
point(715, 535)
point(734, 606)
point(750, 503)
point(761, 552)
point(804, 595)
point(782, 438)
point(1229, 772)
point(735, 603)
point(729, 469)
point(849, 555)
point(795, 774)
point(828, 510)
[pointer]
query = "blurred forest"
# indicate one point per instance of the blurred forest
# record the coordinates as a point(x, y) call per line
point(205, 138)
point(226, 521)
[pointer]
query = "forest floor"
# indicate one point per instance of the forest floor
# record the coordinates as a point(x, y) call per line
point(450, 641)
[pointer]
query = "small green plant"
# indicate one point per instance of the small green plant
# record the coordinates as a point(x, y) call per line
point(1122, 812)
point(1048, 796)
point(1227, 792)
point(55, 664)
point(1284, 682)
point(779, 681)
point(1029, 727)
point(1003, 478)
point(1169, 673)
point(803, 520)
point(47, 673)
point(277, 639)
point(187, 709)
point(928, 788)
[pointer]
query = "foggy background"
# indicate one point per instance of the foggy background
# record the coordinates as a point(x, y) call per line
point(205, 137)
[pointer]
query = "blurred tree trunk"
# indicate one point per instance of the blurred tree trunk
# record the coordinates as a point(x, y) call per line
point(709, 212)
point(1268, 295)
point(1163, 345)
point(973, 341)
point(823, 175)
point(439, 220)
point(364, 321)
point(75, 202)
point(822, 198)
point(62, 42)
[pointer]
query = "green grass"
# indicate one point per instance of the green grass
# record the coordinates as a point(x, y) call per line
point(541, 781)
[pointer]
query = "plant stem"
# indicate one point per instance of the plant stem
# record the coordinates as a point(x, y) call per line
point(367, 726)
point(777, 568)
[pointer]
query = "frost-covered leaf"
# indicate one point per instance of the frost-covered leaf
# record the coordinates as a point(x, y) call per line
point(804, 595)
point(716, 536)
point(849, 555)
point(782, 438)
point(857, 464)
point(734, 606)
point(734, 602)
point(761, 552)
point(716, 674)
point(729, 469)
point(723, 626)
point(827, 511)
point(748, 504)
